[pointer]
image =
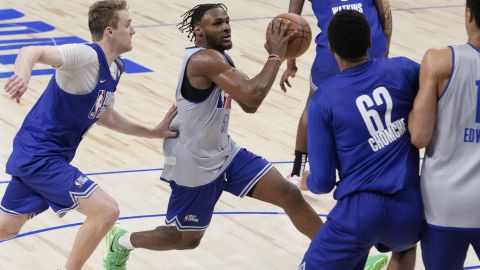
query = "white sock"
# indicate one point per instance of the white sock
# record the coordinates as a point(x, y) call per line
point(124, 241)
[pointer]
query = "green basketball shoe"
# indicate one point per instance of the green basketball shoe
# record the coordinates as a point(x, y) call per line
point(376, 262)
point(116, 256)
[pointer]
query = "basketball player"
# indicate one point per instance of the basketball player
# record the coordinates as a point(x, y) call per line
point(445, 119)
point(324, 66)
point(358, 126)
point(204, 161)
point(79, 94)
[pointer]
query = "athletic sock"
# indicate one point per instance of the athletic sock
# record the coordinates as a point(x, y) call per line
point(124, 241)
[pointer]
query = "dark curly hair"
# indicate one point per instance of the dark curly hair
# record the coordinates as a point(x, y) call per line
point(194, 15)
point(349, 34)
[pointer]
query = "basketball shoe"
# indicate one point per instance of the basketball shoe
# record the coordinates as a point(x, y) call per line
point(376, 262)
point(116, 256)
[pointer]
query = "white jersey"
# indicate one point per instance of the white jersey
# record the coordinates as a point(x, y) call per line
point(451, 170)
point(79, 72)
point(203, 148)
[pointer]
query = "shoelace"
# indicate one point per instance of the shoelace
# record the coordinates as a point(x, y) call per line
point(121, 256)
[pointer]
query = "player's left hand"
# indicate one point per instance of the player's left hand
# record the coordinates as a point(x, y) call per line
point(16, 86)
point(162, 130)
point(289, 72)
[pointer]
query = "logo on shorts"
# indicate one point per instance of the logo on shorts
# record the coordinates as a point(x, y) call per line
point(191, 218)
point(303, 266)
point(81, 181)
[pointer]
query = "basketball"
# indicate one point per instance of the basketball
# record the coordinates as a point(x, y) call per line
point(300, 43)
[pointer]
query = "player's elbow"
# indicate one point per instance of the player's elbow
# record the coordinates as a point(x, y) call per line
point(255, 100)
point(419, 137)
point(419, 140)
point(250, 109)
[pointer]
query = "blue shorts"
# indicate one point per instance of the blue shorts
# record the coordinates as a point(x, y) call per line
point(191, 208)
point(361, 221)
point(446, 248)
point(58, 185)
point(324, 66)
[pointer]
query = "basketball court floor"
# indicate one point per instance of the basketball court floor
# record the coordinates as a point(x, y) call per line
point(244, 233)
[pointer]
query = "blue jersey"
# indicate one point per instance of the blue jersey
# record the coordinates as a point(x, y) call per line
point(325, 9)
point(58, 121)
point(357, 124)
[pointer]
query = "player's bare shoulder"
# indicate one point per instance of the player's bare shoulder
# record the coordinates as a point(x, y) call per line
point(439, 61)
point(208, 61)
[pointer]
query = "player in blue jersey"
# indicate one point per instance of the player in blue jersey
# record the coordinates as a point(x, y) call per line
point(446, 120)
point(79, 94)
point(357, 125)
point(379, 17)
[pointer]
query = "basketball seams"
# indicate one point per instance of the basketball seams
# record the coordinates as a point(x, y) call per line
point(297, 23)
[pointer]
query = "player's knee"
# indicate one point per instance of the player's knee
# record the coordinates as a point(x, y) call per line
point(190, 243)
point(292, 197)
point(113, 211)
point(110, 212)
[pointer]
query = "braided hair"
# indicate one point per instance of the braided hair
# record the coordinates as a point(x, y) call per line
point(194, 15)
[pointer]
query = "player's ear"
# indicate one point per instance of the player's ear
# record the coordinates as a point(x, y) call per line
point(468, 15)
point(108, 31)
point(197, 31)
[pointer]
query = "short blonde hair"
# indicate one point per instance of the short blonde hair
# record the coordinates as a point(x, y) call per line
point(103, 14)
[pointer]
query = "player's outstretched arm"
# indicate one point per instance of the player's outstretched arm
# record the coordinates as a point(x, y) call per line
point(295, 6)
point(434, 73)
point(385, 16)
point(27, 57)
point(115, 121)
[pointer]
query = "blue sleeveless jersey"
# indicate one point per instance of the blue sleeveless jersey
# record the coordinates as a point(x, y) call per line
point(357, 124)
point(58, 121)
point(325, 9)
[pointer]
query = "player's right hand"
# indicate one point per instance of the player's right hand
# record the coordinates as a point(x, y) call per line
point(278, 38)
point(16, 86)
point(289, 72)
point(162, 130)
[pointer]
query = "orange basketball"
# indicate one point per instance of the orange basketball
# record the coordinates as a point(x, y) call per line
point(300, 43)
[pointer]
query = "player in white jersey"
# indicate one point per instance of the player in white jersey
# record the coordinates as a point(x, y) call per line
point(204, 161)
point(446, 120)
point(80, 94)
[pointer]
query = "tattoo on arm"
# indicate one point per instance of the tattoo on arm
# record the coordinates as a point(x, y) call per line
point(387, 23)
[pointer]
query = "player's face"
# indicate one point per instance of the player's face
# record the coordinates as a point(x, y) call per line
point(122, 34)
point(216, 29)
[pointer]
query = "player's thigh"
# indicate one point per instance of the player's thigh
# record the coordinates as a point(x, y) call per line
point(443, 249)
point(404, 222)
point(336, 247)
point(21, 199)
point(274, 189)
point(10, 225)
point(62, 185)
point(245, 174)
point(99, 203)
point(191, 208)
